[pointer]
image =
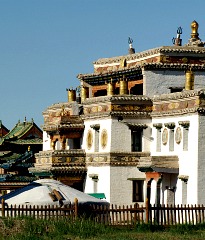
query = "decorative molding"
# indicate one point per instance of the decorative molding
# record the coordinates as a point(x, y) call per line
point(201, 110)
point(104, 138)
point(116, 98)
point(184, 178)
point(184, 124)
point(89, 139)
point(165, 136)
point(95, 126)
point(157, 125)
point(133, 126)
point(178, 135)
point(170, 125)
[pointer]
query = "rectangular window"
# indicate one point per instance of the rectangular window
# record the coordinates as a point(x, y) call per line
point(74, 143)
point(138, 190)
point(137, 141)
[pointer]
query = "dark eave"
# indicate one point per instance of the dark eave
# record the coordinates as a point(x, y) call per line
point(100, 78)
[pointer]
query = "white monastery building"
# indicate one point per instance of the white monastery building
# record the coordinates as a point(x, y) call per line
point(136, 128)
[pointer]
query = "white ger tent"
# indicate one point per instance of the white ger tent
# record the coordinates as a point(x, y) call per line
point(49, 192)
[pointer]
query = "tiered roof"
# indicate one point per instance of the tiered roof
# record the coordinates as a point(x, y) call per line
point(24, 133)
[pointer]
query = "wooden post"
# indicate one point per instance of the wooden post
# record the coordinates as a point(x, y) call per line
point(76, 208)
point(135, 212)
point(3, 207)
point(147, 210)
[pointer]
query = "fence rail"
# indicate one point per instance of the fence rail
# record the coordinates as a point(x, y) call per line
point(114, 215)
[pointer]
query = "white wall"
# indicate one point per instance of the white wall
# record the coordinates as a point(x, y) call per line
point(158, 82)
point(103, 184)
point(187, 159)
point(46, 141)
point(121, 183)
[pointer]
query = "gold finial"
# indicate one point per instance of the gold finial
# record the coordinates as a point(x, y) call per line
point(29, 148)
point(194, 30)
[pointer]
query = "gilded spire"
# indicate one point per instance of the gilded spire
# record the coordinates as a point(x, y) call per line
point(195, 41)
point(194, 30)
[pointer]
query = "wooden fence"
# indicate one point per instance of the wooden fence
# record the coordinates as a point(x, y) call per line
point(114, 215)
point(44, 212)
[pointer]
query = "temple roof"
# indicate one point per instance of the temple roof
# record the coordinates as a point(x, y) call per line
point(3, 130)
point(20, 132)
point(163, 49)
point(16, 159)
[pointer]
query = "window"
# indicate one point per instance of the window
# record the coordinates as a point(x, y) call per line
point(137, 188)
point(74, 143)
point(137, 141)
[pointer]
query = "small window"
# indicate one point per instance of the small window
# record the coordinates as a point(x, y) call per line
point(138, 193)
point(137, 141)
point(175, 89)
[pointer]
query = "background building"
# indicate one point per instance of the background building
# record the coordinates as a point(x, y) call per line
point(17, 149)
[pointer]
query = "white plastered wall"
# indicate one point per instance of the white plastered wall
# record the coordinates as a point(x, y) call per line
point(188, 160)
point(103, 183)
point(46, 142)
point(121, 184)
point(158, 82)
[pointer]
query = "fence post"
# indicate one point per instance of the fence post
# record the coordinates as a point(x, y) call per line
point(3, 207)
point(147, 210)
point(135, 212)
point(76, 207)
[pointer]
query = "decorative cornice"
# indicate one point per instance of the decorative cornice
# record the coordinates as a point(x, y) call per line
point(154, 51)
point(133, 126)
point(115, 98)
point(179, 95)
point(175, 112)
point(115, 158)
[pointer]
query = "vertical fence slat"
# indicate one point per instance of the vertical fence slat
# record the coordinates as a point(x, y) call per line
point(114, 215)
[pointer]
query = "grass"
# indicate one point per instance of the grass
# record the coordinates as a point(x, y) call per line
point(81, 229)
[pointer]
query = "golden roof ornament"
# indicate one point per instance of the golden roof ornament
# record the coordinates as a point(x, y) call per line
point(194, 30)
point(195, 41)
point(64, 112)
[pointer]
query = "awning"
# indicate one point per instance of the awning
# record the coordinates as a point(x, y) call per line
point(98, 195)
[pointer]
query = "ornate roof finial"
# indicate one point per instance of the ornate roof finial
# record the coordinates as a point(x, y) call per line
point(131, 49)
point(178, 41)
point(194, 30)
point(195, 41)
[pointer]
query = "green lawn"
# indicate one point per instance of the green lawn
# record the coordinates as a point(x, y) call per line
point(32, 229)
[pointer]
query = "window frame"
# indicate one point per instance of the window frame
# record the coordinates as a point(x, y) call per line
point(138, 190)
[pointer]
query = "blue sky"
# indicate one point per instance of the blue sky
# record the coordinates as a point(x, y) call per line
point(45, 44)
